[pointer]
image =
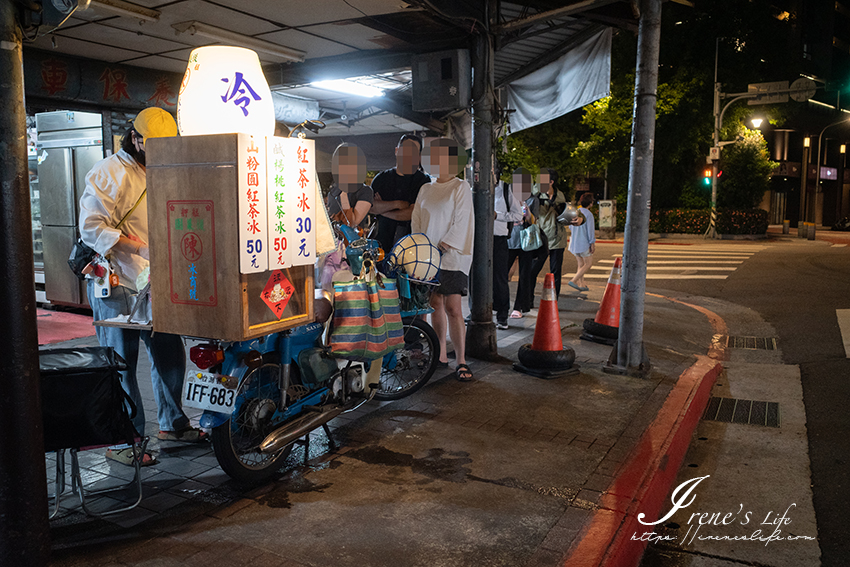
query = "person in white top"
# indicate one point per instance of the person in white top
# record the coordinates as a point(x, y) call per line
point(113, 187)
point(507, 210)
point(443, 212)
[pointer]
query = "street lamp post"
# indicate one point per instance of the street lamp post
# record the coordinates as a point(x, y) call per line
point(718, 124)
point(804, 179)
point(817, 164)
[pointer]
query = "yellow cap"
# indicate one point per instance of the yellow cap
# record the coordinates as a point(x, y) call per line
point(155, 122)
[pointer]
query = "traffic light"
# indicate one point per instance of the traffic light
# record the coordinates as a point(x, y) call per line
point(707, 176)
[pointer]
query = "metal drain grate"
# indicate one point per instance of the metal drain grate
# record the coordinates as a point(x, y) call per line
point(747, 412)
point(751, 343)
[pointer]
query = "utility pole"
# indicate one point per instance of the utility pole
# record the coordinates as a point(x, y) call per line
point(24, 528)
point(800, 90)
point(712, 223)
point(804, 181)
point(481, 331)
point(814, 207)
point(631, 356)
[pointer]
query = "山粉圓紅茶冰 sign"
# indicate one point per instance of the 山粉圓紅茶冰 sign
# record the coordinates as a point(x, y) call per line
point(253, 228)
point(191, 252)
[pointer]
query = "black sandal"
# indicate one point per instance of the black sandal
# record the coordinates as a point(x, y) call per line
point(463, 373)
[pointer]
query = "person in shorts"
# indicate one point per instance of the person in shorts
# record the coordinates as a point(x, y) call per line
point(443, 212)
point(582, 242)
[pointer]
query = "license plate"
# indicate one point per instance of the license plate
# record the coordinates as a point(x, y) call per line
point(203, 390)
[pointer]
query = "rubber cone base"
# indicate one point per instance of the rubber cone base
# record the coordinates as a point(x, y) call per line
point(546, 374)
point(596, 339)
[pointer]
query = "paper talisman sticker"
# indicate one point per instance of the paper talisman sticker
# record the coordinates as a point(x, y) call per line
point(277, 292)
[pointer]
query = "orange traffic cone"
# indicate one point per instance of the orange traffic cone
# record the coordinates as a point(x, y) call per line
point(605, 328)
point(547, 357)
point(547, 332)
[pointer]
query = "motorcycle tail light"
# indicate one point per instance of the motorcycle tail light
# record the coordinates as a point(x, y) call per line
point(206, 356)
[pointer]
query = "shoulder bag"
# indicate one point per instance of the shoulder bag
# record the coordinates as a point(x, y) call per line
point(530, 238)
point(82, 255)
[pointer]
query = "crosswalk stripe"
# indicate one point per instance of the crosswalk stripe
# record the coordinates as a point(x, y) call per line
point(651, 267)
point(707, 247)
point(843, 316)
point(699, 253)
point(677, 262)
point(667, 277)
point(692, 257)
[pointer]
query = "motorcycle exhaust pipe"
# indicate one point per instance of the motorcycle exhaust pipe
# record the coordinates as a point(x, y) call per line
point(280, 438)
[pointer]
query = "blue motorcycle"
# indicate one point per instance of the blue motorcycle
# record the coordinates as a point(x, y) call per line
point(276, 389)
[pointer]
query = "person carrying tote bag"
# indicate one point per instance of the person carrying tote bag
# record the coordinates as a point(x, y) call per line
point(529, 255)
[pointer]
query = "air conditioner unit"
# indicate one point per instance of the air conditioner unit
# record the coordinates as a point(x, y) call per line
point(441, 80)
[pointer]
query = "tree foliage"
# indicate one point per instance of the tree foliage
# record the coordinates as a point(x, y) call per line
point(746, 170)
point(595, 140)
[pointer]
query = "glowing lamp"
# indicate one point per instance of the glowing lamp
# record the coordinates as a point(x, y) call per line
point(224, 91)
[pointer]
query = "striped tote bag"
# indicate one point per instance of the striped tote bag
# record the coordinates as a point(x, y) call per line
point(367, 320)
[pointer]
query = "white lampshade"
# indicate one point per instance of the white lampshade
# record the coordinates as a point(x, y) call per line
point(224, 91)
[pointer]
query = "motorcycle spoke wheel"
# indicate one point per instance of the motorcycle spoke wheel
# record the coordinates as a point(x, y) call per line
point(236, 442)
point(415, 362)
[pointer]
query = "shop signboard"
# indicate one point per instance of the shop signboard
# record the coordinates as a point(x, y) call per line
point(253, 229)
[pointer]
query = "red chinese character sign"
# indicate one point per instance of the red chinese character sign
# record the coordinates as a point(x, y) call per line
point(291, 202)
point(277, 292)
point(191, 252)
point(252, 223)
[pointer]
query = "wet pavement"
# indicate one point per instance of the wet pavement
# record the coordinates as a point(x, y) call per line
point(506, 470)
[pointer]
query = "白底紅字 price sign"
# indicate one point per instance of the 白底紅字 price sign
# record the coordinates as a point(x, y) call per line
point(253, 226)
point(291, 202)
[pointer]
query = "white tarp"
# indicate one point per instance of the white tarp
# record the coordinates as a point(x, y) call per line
point(580, 77)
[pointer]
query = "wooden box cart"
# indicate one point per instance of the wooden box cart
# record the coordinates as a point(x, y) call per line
point(232, 244)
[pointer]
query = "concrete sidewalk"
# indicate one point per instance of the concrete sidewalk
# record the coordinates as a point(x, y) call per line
point(507, 470)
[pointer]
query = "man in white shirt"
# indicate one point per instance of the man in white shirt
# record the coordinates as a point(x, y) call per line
point(113, 187)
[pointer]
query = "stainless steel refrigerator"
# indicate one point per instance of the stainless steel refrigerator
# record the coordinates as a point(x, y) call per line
point(69, 144)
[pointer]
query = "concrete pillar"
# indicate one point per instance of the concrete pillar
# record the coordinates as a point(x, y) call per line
point(481, 331)
point(24, 529)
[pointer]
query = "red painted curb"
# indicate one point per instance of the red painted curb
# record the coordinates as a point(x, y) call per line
point(647, 477)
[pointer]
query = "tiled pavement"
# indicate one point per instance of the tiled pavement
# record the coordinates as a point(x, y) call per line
point(187, 497)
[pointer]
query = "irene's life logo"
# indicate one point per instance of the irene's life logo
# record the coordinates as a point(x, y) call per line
point(767, 530)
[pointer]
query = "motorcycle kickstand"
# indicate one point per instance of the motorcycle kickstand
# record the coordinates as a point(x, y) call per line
point(331, 443)
point(305, 442)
